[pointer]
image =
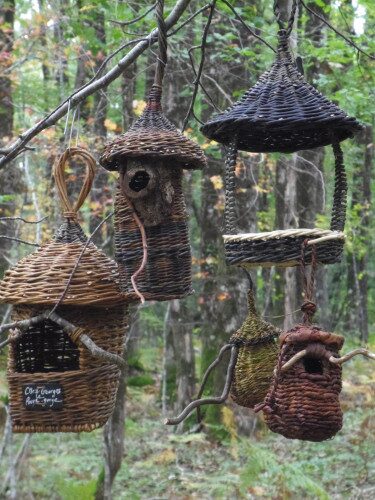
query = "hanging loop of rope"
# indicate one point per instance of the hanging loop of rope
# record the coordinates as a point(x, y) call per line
point(162, 42)
point(308, 307)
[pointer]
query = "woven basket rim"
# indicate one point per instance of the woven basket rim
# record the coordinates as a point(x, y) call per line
point(301, 334)
point(284, 233)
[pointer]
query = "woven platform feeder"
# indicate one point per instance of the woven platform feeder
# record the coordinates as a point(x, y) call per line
point(282, 113)
point(257, 355)
point(55, 383)
point(150, 209)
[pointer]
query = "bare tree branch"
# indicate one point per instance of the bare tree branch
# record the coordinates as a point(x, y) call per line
point(16, 147)
point(24, 220)
point(3, 237)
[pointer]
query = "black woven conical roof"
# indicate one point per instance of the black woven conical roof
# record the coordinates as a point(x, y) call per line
point(153, 136)
point(281, 113)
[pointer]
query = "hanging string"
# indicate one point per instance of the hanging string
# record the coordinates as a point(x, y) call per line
point(308, 307)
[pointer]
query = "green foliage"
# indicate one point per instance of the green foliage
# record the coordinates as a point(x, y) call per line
point(76, 490)
point(140, 380)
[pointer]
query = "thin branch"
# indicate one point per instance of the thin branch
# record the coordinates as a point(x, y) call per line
point(206, 401)
point(24, 220)
point(18, 240)
point(206, 375)
point(136, 19)
point(202, 46)
point(350, 42)
point(23, 323)
point(246, 26)
point(78, 96)
point(88, 241)
point(293, 360)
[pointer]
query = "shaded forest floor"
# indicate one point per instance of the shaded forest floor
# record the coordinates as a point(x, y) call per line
point(160, 464)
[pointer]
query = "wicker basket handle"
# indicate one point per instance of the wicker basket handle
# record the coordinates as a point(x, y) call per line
point(70, 210)
point(230, 216)
point(338, 216)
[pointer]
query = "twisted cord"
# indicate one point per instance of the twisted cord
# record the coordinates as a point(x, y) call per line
point(308, 307)
point(341, 188)
point(230, 188)
point(70, 210)
point(292, 16)
point(162, 42)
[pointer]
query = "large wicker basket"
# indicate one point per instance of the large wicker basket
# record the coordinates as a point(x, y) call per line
point(55, 384)
point(303, 401)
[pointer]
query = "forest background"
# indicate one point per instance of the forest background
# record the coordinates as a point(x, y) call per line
point(50, 48)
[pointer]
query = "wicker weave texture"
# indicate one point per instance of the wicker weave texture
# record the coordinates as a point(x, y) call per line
point(281, 251)
point(153, 136)
point(303, 402)
point(46, 354)
point(167, 274)
point(41, 277)
point(256, 361)
point(281, 113)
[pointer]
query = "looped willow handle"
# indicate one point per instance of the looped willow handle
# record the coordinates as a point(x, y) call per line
point(338, 216)
point(70, 211)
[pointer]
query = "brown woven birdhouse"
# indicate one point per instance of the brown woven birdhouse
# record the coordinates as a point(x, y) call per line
point(151, 231)
point(303, 400)
point(257, 355)
point(282, 113)
point(55, 383)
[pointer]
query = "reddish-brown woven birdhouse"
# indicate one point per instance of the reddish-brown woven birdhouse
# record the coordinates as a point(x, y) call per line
point(303, 401)
point(150, 209)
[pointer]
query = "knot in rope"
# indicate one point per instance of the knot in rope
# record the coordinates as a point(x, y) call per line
point(308, 308)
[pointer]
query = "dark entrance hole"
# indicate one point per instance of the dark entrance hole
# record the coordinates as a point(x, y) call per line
point(313, 365)
point(139, 181)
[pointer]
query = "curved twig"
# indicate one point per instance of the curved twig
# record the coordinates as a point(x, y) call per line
point(351, 354)
point(18, 240)
point(206, 375)
point(206, 401)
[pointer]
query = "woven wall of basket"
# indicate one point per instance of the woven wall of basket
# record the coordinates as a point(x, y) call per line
point(282, 113)
point(55, 384)
point(257, 355)
point(149, 208)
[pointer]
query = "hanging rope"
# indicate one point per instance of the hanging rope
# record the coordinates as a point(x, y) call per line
point(308, 307)
point(292, 16)
point(162, 42)
point(230, 188)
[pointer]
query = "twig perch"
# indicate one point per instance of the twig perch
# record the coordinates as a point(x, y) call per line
point(332, 359)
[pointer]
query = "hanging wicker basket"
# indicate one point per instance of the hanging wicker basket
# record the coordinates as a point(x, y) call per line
point(257, 355)
point(150, 211)
point(303, 400)
point(282, 247)
point(281, 113)
point(55, 383)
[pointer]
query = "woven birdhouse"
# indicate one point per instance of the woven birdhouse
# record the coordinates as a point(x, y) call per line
point(150, 207)
point(282, 113)
point(303, 400)
point(257, 355)
point(55, 383)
